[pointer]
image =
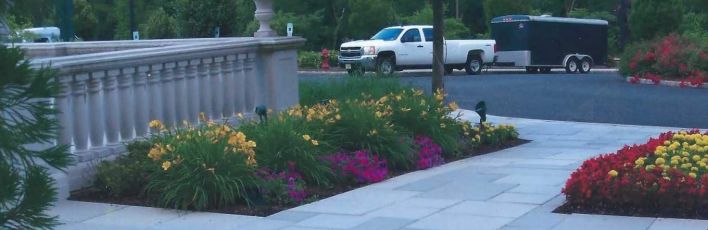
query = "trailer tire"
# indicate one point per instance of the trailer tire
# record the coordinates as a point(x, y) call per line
point(531, 70)
point(585, 65)
point(473, 65)
point(571, 66)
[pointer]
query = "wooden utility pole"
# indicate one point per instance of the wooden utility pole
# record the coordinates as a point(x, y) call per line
point(438, 46)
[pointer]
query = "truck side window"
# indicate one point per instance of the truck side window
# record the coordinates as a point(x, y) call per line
point(428, 32)
point(412, 35)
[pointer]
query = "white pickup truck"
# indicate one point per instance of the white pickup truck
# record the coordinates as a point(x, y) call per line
point(411, 47)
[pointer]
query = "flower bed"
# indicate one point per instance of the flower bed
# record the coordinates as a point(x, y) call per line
point(667, 60)
point(666, 177)
point(302, 154)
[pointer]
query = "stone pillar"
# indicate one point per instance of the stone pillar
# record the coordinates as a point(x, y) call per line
point(127, 108)
point(154, 88)
point(204, 86)
point(217, 88)
point(168, 95)
point(61, 102)
point(96, 109)
point(80, 111)
point(253, 83)
point(141, 102)
point(181, 92)
point(193, 90)
point(110, 104)
point(264, 14)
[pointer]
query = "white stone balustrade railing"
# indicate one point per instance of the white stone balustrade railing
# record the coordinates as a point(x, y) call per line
point(109, 98)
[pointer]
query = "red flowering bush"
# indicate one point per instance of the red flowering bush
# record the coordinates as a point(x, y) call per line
point(361, 165)
point(668, 174)
point(287, 187)
point(429, 153)
point(672, 57)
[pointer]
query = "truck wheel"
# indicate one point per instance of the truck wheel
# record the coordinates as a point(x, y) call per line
point(474, 65)
point(386, 65)
point(572, 65)
point(585, 65)
point(531, 70)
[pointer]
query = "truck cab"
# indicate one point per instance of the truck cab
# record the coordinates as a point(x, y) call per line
point(411, 47)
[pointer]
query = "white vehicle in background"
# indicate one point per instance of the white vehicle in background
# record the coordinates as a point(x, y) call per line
point(411, 47)
point(42, 34)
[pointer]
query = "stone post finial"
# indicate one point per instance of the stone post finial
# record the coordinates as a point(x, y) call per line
point(264, 14)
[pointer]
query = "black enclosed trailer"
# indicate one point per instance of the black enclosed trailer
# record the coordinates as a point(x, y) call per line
point(540, 43)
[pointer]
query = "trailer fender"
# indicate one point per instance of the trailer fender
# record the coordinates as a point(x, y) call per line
point(578, 56)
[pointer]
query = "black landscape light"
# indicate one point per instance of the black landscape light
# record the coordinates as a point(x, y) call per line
point(481, 109)
point(262, 112)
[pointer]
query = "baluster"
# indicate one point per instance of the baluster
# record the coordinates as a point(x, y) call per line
point(217, 96)
point(127, 109)
point(155, 92)
point(112, 113)
point(141, 101)
point(193, 92)
point(62, 103)
point(80, 111)
point(168, 94)
point(227, 67)
point(181, 92)
point(204, 86)
point(96, 109)
point(240, 83)
point(253, 89)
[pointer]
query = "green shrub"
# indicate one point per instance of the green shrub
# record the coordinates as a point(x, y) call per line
point(309, 59)
point(292, 139)
point(209, 166)
point(313, 92)
point(127, 175)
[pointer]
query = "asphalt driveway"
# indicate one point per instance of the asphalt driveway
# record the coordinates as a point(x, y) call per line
point(599, 97)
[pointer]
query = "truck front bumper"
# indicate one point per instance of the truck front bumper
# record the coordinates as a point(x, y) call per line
point(368, 62)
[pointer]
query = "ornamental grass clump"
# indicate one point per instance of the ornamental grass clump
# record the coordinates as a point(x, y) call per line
point(667, 175)
point(201, 167)
point(295, 136)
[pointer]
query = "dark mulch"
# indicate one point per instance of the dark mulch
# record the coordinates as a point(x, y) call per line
point(315, 193)
point(567, 208)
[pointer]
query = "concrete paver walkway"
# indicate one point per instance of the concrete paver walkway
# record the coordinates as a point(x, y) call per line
point(516, 188)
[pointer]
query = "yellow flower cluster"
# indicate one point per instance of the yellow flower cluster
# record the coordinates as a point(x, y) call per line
point(328, 113)
point(309, 139)
point(684, 151)
point(156, 124)
point(239, 143)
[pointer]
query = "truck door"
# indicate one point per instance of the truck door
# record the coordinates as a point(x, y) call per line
point(412, 50)
point(428, 35)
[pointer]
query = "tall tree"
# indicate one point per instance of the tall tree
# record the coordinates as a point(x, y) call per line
point(438, 49)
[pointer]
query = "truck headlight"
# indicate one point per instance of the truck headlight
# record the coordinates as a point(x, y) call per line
point(369, 50)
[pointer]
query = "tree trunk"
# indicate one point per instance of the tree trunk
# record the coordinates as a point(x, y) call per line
point(438, 46)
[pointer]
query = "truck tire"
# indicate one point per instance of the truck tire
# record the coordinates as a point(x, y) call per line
point(572, 65)
point(386, 65)
point(531, 70)
point(473, 65)
point(585, 65)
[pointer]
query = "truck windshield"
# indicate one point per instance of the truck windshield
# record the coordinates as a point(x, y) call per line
point(387, 34)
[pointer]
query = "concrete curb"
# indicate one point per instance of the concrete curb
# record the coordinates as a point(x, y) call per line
point(645, 81)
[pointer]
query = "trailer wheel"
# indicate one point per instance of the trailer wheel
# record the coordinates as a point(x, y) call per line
point(531, 70)
point(572, 65)
point(474, 65)
point(585, 65)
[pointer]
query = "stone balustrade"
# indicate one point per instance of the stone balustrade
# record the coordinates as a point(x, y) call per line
point(109, 98)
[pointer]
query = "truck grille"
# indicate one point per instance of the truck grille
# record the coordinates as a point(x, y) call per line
point(350, 52)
